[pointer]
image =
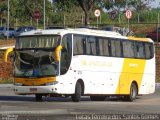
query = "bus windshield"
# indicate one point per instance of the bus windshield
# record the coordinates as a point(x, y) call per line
point(34, 56)
point(37, 41)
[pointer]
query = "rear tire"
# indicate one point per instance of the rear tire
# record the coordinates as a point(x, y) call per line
point(38, 97)
point(97, 98)
point(76, 97)
point(133, 93)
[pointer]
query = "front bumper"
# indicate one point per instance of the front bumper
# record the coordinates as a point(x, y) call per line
point(35, 89)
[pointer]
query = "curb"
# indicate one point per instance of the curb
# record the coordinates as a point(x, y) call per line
point(157, 85)
point(37, 112)
point(6, 85)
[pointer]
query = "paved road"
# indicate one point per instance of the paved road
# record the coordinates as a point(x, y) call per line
point(14, 107)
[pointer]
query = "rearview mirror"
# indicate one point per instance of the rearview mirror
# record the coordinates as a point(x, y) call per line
point(7, 52)
point(57, 53)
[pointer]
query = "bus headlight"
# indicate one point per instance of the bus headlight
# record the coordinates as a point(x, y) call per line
point(52, 83)
point(18, 84)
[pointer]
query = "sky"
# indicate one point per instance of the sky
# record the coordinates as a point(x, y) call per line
point(153, 3)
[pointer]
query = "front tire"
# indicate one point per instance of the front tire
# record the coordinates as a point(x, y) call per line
point(76, 97)
point(133, 93)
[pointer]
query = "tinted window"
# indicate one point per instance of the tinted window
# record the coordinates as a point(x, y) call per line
point(91, 45)
point(103, 45)
point(139, 50)
point(79, 44)
point(149, 50)
point(128, 49)
point(115, 48)
point(1, 28)
point(11, 28)
point(66, 53)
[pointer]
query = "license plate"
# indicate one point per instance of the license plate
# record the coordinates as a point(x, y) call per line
point(33, 89)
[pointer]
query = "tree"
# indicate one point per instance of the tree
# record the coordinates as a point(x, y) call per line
point(64, 5)
point(3, 10)
point(124, 4)
point(86, 6)
point(25, 12)
point(139, 5)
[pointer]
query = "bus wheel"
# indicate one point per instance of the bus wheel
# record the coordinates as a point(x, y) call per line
point(38, 97)
point(97, 98)
point(76, 97)
point(133, 93)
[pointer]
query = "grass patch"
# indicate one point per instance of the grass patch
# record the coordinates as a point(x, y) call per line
point(6, 80)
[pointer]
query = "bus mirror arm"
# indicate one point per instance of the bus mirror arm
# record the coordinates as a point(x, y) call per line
point(57, 51)
point(9, 50)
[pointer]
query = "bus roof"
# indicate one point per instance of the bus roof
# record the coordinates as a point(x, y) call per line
point(68, 30)
point(84, 31)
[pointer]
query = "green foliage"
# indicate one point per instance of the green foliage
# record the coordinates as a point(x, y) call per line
point(124, 4)
point(22, 11)
point(3, 9)
point(6, 80)
point(64, 5)
point(71, 12)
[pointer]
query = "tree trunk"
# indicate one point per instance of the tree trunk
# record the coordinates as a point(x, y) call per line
point(86, 22)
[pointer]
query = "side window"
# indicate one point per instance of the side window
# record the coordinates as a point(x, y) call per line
point(139, 50)
point(128, 49)
point(91, 45)
point(66, 53)
point(78, 44)
point(116, 48)
point(64, 42)
point(149, 50)
point(103, 46)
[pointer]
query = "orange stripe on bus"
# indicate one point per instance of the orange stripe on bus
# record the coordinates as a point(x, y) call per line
point(138, 39)
point(35, 81)
point(132, 70)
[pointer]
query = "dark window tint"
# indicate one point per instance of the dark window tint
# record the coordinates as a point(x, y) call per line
point(103, 45)
point(128, 49)
point(11, 28)
point(149, 50)
point(2, 28)
point(139, 50)
point(79, 44)
point(91, 45)
point(66, 53)
point(116, 48)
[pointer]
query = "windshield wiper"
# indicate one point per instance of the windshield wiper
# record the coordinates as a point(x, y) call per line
point(21, 59)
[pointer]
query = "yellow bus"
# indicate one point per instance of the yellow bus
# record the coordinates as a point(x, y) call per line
point(82, 62)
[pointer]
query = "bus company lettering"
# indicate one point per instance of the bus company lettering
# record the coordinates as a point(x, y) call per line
point(97, 63)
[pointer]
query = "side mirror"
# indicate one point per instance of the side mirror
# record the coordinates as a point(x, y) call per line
point(7, 52)
point(57, 53)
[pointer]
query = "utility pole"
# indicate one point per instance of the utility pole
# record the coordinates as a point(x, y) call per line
point(8, 21)
point(44, 14)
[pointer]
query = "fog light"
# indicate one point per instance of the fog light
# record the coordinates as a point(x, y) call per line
point(51, 83)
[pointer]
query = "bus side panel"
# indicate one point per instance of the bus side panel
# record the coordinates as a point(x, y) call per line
point(132, 70)
point(100, 74)
point(108, 75)
point(148, 82)
point(66, 83)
